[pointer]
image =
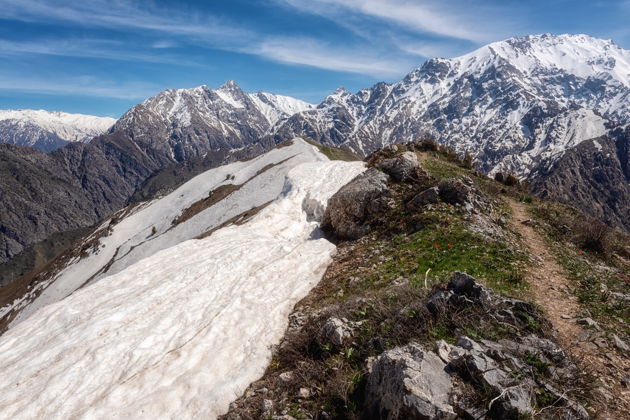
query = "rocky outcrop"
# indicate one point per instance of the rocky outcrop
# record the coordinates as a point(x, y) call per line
point(408, 383)
point(357, 205)
point(428, 196)
point(335, 332)
point(454, 191)
point(403, 167)
point(413, 382)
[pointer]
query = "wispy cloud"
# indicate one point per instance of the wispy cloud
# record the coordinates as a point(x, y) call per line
point(79, 86)
point(124, 15)
point(445, 18)
point(92, 48)
point(310, 52)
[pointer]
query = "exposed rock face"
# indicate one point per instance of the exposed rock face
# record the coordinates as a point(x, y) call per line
point(428, 196)
point(415, 383)
point(403, 167)
point(454, 191)
point(335, 332)
point(79, 184)
point(409, 383)
point(73, 187)
point(594, 176)
point(351, 210)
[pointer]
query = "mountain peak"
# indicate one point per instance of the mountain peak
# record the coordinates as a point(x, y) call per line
point(229, 85)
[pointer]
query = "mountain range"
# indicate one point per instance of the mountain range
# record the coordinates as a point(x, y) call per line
point(524, 106)
point(47, 131)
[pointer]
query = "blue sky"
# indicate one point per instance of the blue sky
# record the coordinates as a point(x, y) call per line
point(103, 56)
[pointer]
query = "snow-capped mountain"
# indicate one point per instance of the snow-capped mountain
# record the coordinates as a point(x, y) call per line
point(184, 123)
point(182, 298)
point(47, 131)
point(507, 103)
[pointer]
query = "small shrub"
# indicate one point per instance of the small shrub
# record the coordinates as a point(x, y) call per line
point(592, 235)
point(499, 177)
point(427, 145)
point(468, 161)
point(510, 180)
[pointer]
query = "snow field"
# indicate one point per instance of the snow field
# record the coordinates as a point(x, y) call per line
point(179, 334)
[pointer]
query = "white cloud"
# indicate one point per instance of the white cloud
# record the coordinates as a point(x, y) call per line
point(446, 18)
point(79, 86)
point(313, 53)
point(93, 48)
point(123, 15)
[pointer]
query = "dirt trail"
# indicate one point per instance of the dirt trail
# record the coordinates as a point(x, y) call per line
point(551, 290)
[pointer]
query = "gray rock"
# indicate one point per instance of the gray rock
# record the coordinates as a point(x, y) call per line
point(267, 406)
point(408, 383)
point(443, 349)
point(356, 205)
point(403, 167)
point(335, 332)
point(454, 191)
point(463, 284)
point(620, 344)
point(590, 323)
point(620, 296)
point(286, 376)
point(512, 403)
point(428, 196)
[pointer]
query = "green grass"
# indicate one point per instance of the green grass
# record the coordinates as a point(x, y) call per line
point(434, 252)
point(441, 168)
point(589, 292)
point(335, 153)
point(587, 270)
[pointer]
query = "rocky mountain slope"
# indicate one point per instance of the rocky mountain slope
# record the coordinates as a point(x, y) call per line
point(153, 148)
point(47, 131)
point(595, 175)
point(175, 305)
point(185, 123)
point(79, 185)
point(508, 103)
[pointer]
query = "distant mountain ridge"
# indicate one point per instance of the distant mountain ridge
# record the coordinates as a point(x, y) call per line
point(508, 103)
point(46, 130)
point(185, 123)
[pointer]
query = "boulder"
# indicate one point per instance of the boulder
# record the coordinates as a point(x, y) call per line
point(404, 167)
point(463, 284)
point(513, 403)
point(335, 332)
point(620, 344)
point(454, 191)
point(353, 209)
point(408, 383)
point(428, 196)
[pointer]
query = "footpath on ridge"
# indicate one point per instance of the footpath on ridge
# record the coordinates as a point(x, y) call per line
point(549, 285)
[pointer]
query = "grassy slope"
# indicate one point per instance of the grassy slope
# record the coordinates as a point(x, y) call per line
point(378, 282)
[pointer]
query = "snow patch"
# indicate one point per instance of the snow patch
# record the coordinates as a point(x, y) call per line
point(179, 334)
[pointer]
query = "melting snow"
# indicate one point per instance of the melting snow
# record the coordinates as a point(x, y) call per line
point(179, 334)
